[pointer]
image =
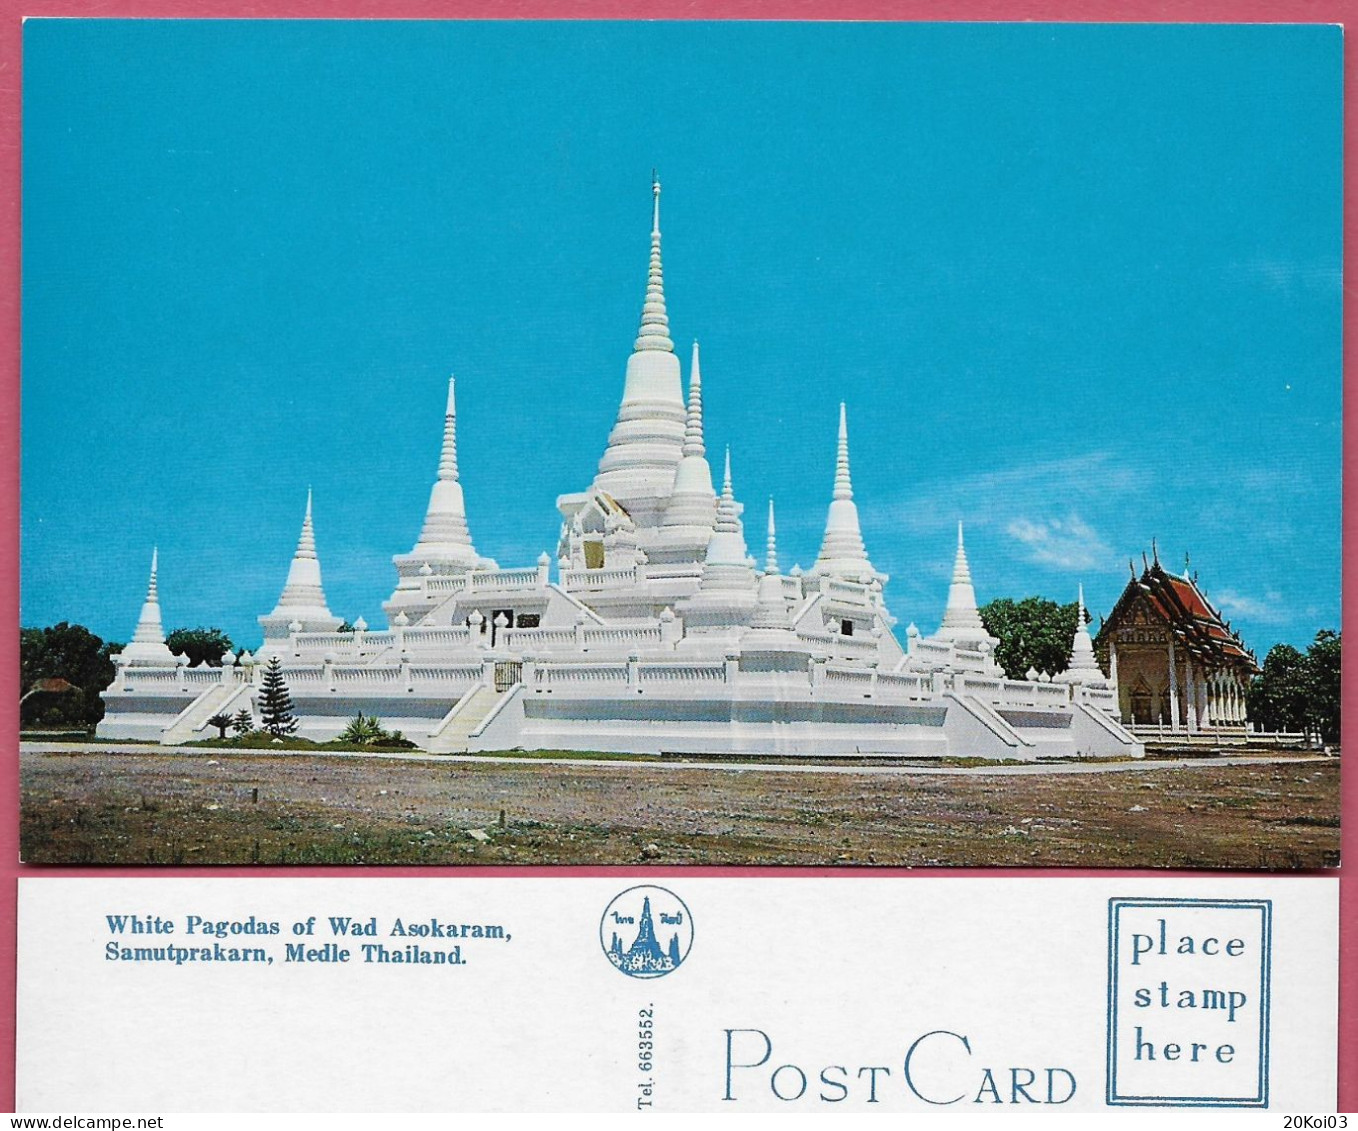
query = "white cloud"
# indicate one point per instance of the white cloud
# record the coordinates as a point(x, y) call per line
point(1266, 610)
point(992, 498)
point(1067, 543)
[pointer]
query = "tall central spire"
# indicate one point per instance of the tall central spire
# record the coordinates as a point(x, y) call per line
point(448, 454)
point(306, 544)
point(843, 485)
point(655, 325)
point(647, 440)
point(771, 554)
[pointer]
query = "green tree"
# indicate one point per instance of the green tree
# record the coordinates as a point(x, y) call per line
point(275, 704)
point(1277, 698)
point(70, 652)
point(1033, 633)
point(221, 722)
point(243, 722)
point(1322, 685)
point(200, 645)
point(364, 730)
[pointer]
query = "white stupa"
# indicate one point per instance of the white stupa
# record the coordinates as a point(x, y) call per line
point(646, 443)
point(148, 646)
point(690, 515)
point(1084, 667)
point(772, 622)
point(842, 553)
point(727, 591)
point(444, 547)
point(961, 617)
point(444, 538)
point(302, 602)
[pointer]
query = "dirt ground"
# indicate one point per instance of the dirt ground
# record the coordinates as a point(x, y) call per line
point(223, 807)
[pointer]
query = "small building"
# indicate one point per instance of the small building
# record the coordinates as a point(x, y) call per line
point(1174, 659)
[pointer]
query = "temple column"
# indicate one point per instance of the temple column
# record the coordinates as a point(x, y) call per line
point(1190, 697)
point(1173, 687)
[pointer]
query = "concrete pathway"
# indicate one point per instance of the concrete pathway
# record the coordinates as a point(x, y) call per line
point(1143, 765)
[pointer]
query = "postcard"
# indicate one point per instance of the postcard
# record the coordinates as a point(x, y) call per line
point(640, 446)
point(687, 994)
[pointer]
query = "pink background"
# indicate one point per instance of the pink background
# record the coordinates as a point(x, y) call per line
point(1177, 11)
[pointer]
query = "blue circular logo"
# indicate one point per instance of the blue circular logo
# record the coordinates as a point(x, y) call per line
point(646, 931)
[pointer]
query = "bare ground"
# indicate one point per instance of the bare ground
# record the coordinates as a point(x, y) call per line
point(224, 807)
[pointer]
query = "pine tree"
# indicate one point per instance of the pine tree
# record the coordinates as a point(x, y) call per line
point(243, 722)
point(275, 704)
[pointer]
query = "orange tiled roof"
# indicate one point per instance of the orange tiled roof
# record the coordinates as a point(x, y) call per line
point(1195, 623)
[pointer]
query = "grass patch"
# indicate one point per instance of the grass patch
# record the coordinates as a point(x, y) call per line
point(584, 755)
point(258, 740)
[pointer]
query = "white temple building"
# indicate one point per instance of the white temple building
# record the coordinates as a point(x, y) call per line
point(653, 631)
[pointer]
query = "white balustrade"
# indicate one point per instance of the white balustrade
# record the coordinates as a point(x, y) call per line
point(365, 676)
point(581, 673)
point(622, 635)
point(444, 584)
point(437, 636)
point(683, 673)
point(505, 579)
point(150, 677)
point(900, 683)
point(445, 673)
point(599, 578)
point(848, 677)
point(294, 676)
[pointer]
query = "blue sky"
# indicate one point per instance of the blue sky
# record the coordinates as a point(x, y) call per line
point(1079, 286)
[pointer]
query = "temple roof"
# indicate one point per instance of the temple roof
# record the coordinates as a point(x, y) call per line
point(1177, 600)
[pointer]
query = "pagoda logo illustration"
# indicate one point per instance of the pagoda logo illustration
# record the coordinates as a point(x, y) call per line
point(646, 931)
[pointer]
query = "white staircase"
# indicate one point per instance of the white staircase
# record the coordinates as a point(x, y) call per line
point(992, 720)
point(191, 723)
point(455, 729)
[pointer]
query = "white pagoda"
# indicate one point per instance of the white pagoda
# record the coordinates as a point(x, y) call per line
point(656, 632)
